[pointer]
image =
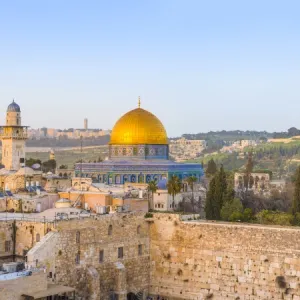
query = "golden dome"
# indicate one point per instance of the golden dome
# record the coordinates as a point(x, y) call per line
point(138, 126)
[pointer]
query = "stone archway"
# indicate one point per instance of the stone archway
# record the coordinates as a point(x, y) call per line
point(141, 178)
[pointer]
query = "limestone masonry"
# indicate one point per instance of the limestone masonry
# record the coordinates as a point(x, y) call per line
point(127, 254)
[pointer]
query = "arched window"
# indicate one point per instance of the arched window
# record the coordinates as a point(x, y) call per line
point(110, 230)
point(138, 230)
point(77, 237)
point(37, 237)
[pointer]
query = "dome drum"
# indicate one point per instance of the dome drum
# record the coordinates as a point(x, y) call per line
point(121, 152)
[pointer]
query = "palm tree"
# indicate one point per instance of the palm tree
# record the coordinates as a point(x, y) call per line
point(190, 181)
point(174, 187)
point(152, 187)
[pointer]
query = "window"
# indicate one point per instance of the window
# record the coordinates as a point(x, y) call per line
point(38, 237)
point(7, 246)
point(140, 249)
point(110, 230)
point(120, 252)
point(101, 256)
point(77, 237)
point(138, 230)
point(135, 151)
point(77, 259)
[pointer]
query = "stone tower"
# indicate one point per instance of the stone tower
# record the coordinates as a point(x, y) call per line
point(52, 155)
point(13, 136)
point(85, 124)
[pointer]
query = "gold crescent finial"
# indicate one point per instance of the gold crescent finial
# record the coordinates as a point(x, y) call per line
point(139, 102)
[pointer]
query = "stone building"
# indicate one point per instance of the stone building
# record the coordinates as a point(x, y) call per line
point(257, 181)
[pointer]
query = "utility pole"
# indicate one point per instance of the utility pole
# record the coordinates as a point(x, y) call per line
point(80, 176)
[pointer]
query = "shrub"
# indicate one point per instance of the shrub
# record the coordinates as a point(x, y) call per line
point(296, 219)
point(247, 215)
point(231, 207)
point(236, 216)
point(148, 215)
point(280, 281)
point(179, 272)
point(274, 218)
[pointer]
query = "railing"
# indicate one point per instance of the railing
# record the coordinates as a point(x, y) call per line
point(15, 136)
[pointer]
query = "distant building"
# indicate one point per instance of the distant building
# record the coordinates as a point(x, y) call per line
point(85, 124)
point(183, 149)
point(257, 181)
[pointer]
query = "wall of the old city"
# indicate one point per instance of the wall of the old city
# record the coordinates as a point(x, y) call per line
point(122, 275)
point(203, 260)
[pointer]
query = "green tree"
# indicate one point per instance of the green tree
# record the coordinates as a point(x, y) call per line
point(31, 161)
point(220, 191)
point(229, 193)
point(211, 168)
point(248, 171)
point(191, 181)
point(63, 167)
point(152, 188)
point(231, 207)
point(174, 187)
point(216, 195)
point(296, 197)
point(210, 203)
point(49, 165)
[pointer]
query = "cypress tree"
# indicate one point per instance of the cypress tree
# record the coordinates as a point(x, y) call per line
point(210, 199)
point(229, 193)
point(220, 191)
point(296, 198)
point(211, 168)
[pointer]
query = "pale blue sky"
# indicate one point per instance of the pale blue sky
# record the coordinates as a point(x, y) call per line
point(198, 65)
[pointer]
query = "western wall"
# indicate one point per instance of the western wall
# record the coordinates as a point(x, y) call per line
point(210, 260)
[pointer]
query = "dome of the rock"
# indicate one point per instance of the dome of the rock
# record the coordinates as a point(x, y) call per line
point(139, 127)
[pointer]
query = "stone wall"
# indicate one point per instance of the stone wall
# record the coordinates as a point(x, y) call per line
point(205, 260)
point(77, 255)
point(6, 237)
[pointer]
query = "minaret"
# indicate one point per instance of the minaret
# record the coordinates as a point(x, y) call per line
point(13, 136)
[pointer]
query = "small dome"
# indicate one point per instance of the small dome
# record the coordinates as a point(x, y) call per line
point(13, 107)
point(138, 126)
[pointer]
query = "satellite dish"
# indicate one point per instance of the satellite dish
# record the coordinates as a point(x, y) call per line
point(36, 166)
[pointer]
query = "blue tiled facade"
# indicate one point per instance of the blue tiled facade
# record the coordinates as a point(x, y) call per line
point(122, 171)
